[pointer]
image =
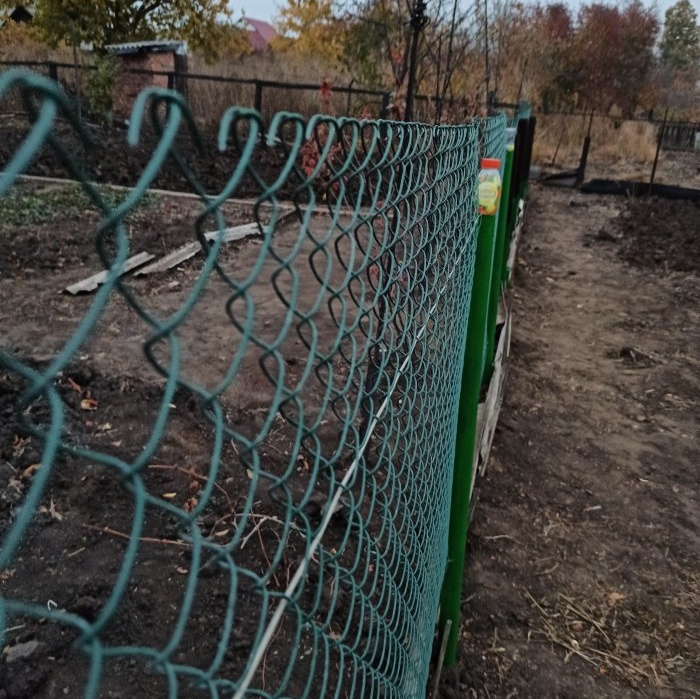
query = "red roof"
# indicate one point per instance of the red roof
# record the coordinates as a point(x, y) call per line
point(260, 34)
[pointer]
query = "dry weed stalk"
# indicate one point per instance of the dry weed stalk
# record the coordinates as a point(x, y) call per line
point(610, 637)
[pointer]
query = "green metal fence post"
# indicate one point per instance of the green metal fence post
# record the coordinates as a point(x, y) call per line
point(472, 372)
point(499, 259)
point(504, 233)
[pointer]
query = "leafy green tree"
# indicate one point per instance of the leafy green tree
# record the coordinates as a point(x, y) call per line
point(100, 22)
point(680, 43)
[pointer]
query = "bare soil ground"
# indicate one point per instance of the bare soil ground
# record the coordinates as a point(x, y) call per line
point(75, 548)
point(583, 574)
point(211, 167)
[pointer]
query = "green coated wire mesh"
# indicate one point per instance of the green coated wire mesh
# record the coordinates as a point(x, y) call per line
point(492, 141)
point(273, 522)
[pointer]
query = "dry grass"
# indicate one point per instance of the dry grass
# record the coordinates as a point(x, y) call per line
point(268, 66)
point(619, 150)
point(614, 635)
point(18, 44)
point(560, 138)
point(210, 99)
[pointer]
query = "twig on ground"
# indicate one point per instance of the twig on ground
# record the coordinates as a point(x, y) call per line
point(549, 570)
point(573, 607)
point(265, 556)
point(144, 539)
point(653, 668)
point(193, 474)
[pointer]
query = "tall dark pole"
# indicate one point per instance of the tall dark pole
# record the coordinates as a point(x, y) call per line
point(418, 21)
point(486, 56)
point(659, 141)
point(76, 69)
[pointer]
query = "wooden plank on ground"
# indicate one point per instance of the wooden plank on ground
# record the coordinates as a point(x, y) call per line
point(515, 240)
point(176, 257)
point(494, 400)
point(172, 259)
point(501, 316)
point(92, 282)
point(234, 233)
point(480, 422)
point(490, 409)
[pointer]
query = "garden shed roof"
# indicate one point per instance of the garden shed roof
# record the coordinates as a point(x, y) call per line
point(131, 47)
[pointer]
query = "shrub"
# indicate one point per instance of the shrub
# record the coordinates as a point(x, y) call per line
point(100, 86)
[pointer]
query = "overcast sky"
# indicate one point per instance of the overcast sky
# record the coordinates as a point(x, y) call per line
point(267, 9)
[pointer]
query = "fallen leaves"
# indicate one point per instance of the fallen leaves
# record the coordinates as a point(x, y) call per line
point(88, 404)
point(19, 444)
point(30, 470)
point(52, 511)
point(87, 400)
point(615, 597)
point(73, 385)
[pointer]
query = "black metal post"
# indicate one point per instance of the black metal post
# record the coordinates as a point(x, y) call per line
point(385, 105)
point(257, 104)
point(347, 111)
point(76, 68)
point(581, 172)
point(418, 21)
point(659, 140)
point(487, 66)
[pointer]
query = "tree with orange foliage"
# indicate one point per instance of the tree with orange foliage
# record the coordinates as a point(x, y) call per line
point(310, 28)
point(613, 54)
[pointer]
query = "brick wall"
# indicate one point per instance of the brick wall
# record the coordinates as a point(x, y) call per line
point(128, 85)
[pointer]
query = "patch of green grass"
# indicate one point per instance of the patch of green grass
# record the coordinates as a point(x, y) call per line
point(23, 208)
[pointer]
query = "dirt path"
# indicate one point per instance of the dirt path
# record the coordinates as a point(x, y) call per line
point(584, 560)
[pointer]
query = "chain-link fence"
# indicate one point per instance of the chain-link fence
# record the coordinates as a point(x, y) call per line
point(238, 483)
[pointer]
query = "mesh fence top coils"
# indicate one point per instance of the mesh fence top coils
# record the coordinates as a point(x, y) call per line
point(274, 517)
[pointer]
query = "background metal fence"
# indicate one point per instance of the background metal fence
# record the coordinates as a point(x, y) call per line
point(210, 94)
point(612, 154)
point(310, 492)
